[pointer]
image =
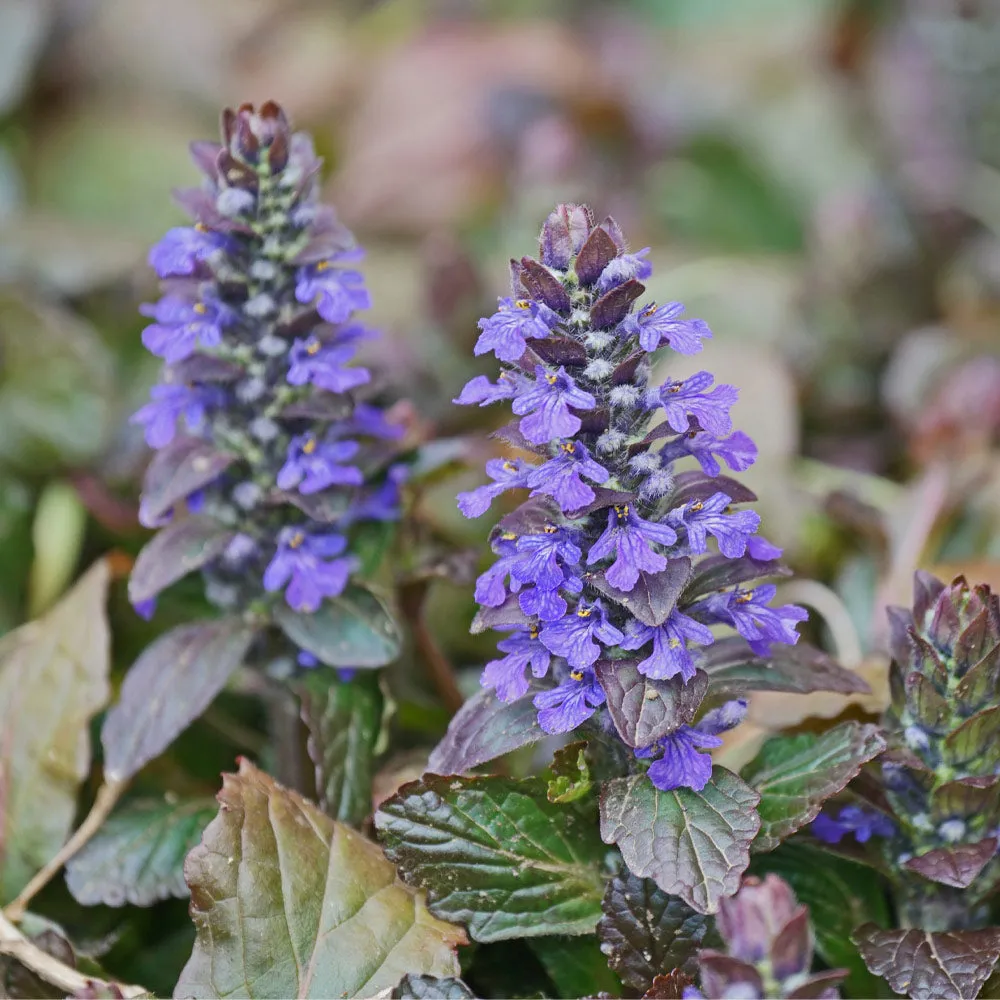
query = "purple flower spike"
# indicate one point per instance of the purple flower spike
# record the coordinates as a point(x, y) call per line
point(183, 326)
point(629, 537)
point(688, 397)
point(508, 330)
point(564, 708)
point(656, 325)
point(324, 365)
point(682, 765)
point(523, 650)
point(313, 465)
point(862, 824)
point(338, 292)
point(305, 563)
point(670, 655)
point(559, 478)
point(182, 249)
point(169, 403)
point(703, 517)
point(505, 475)
point(547, 405)
point(576, 636)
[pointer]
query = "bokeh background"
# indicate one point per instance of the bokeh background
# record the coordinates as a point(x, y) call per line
point(818, 179)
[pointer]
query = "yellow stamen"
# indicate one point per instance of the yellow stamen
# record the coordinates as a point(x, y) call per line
point(312, 348)
point(309, 447)
point(569, 447)
point(508, 536)
point(200, 227)
point(523, 303)
point(745, 598)
point(551, 379)
point(576, 675)
point(550, 529)
point(532, 631)
point(296, 540)
point(584, 612)
point(509, 467)
point(696, 506)
point(674, 643)
point(323, 265)
point(200, 308)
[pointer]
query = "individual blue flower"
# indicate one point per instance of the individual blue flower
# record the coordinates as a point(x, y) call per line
point(655, 325)
point(681, 763)
point(169, 403)
point(523, 649)
point(627, 267)
point(482, 391)
point(541, 557)
point(630, 538)
point(182, 326)
point(490, 589)
point(671, 655)
point(312, 465)
point(761, 550)
point(508, 330)
point(748, 612)
point(688, 397)
point(704, 517)
point(372, 422)
point(559, 478)
point(575, 636)
point(338, 291)
point(182, 249)
point(506, 475)
point(384, 502)
point(307, 565)
point(570, 704)
point(738, 451)
point(545, 406)
point(546, 605)
point(862, 824)
point(324, 365)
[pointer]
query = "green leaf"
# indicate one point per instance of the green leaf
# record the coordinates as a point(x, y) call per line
point(289, 903)
point(841, 895)
point(943, 966)
point(570, 774)
point(138, 854)
point(169, 686)
point(695, 845)
point(644, 931)
point(796, 774)
point(174, 551)
point(576, 966)
point(644, 709)
point(496, 855)
point(483, 729)
point(53, 680)
point(353, 630)
point(344, 720)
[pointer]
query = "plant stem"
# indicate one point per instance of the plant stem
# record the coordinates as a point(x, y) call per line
point(107, 795)
point(442, 674)
point(54, 972)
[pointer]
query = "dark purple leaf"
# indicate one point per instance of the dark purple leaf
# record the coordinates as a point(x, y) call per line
point(796, 774)
point(981, 681)
point(483, 729)
point(205, 368)
point(560, 351)
point(326, 506)
point(792, 949)
point(977, 735)
point(694, 485)
point(509, 613)
point(176, 550)
point(511, 434)
point(695, 845)
point(530, 517)
point(185, 465)
point(318, 405)
point(613, 307)
point(543, 286)
point(822, 986)
point(669, 986)
point(928, 707)
point(734, 668)
point(719, 573)
point(958, 865)
point(625, 372)
point(930, 966)
point(720, 972)
point(168, 687)
point(603, 498)
point(966, 797)
point(594, 256)
point(654, 595)
point(644, 931)
point(642, 709)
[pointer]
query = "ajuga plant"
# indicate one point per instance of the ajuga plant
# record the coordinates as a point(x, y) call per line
point(927, 814)
point(768, 949)
point(271, 459)
point(629, 589)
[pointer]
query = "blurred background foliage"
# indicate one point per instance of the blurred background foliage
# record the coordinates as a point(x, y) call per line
point(819, 180)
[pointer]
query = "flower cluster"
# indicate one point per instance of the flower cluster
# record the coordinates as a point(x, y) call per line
point(618, 548)
point(264, 442)
point(934, 819)
point(769, 948)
